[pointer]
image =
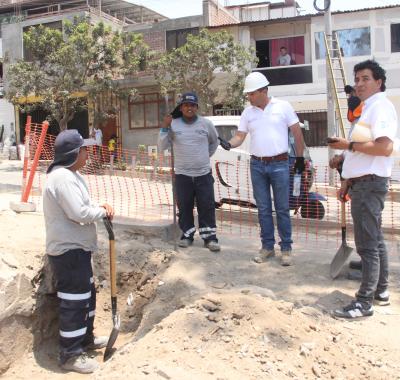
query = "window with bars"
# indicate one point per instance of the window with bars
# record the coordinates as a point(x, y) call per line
point(148, 110)
point(178, 38)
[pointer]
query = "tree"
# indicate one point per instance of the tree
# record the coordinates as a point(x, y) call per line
point(193, 67)
point(72, 65)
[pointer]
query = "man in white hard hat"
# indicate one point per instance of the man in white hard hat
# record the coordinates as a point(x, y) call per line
point(268, 120)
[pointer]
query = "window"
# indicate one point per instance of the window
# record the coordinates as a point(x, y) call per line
point(316, 133)
point(177, 38)
point(147, 110)
point(280, 52)
point(353, 42)
point(52, 25)
point(395, 37)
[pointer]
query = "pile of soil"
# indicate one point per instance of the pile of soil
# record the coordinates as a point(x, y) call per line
point(200, 315)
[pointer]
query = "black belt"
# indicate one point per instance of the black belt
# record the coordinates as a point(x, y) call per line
point(279, 157)
point(365, 178)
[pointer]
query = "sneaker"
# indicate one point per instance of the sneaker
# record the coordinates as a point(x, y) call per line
point(286, 258)
point(184, 243)
point(81, 364)
point(382, 299)
point(212, 245)
point(264, 254)
point(354, 310)
point(98, 343)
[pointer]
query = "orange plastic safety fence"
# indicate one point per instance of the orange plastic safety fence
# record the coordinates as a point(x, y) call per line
point(138, 185)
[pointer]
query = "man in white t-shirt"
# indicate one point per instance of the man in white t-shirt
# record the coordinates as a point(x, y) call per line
point(284, 58)
point(268, 121)
point(367, 168)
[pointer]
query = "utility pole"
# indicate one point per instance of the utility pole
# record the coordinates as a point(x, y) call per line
point(329, 89)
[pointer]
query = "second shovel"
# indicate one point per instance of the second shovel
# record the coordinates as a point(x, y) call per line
point(113, 274)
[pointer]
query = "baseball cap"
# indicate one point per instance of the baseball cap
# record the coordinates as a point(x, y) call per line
point(66, 148)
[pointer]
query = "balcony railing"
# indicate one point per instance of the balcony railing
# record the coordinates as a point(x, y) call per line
point(287, 75)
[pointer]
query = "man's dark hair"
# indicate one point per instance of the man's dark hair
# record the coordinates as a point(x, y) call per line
point(377, 71)
point(283, 47)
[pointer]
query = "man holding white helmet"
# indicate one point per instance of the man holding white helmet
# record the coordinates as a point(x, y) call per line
point(268, 120)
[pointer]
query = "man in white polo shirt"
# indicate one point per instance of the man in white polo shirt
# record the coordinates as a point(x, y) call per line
point(268, 121)
point(367, 168)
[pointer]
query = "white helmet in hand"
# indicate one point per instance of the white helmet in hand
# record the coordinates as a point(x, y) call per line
point(254, 81)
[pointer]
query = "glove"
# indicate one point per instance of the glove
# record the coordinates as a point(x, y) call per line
point(224, 144)
point(353, 102)
point(299, 165)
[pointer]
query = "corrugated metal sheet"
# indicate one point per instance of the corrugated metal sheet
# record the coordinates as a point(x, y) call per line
point(305, 17)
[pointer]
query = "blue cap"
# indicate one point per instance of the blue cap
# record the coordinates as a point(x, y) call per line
point(66, 148)
point(189, 97)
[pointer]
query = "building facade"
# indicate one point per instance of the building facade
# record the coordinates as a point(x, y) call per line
point(273, 30)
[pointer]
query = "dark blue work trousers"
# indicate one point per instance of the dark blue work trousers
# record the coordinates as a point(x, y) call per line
point(201, 190)
point(77, 295)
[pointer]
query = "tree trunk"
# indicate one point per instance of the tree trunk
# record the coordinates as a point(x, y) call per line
point(63, 122)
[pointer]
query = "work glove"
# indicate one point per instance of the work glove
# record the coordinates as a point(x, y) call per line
point(224, 144)
point(299, 165)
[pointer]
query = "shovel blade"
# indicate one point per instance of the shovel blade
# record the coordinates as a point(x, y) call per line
point(340, 259)
point(111, 340)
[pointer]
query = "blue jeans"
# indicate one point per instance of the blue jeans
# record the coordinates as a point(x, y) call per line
point(265, 175)
point(367, 203)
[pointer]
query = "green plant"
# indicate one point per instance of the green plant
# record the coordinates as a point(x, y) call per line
point(82, 60)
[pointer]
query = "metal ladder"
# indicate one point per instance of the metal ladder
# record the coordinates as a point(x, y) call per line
point(338, 77)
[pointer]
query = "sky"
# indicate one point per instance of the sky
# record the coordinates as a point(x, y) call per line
point(182, 8)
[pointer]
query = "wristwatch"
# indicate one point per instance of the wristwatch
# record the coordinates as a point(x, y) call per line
point(351, 146)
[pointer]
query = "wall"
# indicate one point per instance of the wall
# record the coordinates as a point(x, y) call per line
point(7, 118)
point(155, 34)
point(214, 14)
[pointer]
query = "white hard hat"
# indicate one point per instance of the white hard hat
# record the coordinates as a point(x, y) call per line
point(254, 81)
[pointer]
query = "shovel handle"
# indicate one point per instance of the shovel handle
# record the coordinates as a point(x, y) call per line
point(343, 220)
point(113, 269)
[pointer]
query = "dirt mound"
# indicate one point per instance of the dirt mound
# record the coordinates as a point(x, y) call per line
point(194, 314)
point(235, 335)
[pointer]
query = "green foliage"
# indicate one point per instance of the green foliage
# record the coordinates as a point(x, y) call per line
point(83, 58)
point(193, 66)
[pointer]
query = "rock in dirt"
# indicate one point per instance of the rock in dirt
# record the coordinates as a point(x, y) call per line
point(210, 306)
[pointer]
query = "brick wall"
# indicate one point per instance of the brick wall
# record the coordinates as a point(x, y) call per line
point(155, 40)
point(217, 15)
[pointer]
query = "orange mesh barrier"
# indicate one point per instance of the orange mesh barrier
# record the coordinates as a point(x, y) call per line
point(138, 186)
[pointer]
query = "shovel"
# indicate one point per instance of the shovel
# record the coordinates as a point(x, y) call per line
point(115, 317)
point(344, 251)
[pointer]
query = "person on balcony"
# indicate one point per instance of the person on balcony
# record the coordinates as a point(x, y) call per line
point(284, 58)
point(268, 121)
point(194, 140)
